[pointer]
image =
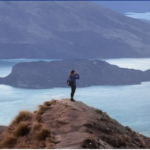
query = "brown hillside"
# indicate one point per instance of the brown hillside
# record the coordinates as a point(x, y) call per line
point(2, 128)
point(66, 124)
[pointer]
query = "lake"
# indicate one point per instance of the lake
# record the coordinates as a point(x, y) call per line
point(129, 105)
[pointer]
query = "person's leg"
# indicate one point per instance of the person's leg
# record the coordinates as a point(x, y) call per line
point(73, 88)
point(71, 91)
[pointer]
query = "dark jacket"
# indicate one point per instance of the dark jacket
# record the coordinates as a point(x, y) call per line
point(73, 78)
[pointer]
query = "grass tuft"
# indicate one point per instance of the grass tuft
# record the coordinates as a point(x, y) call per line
point(47, 103)
point(52, 102)
point(22, 145)
point(98, 111)
point(90, 144)
point(118, 141)
point(36, 126)
point(22, 129)
point(23, 116)
point(42, 134)
point(129, 129)
point(141, 142)
point(105, 117)
point(41, 110)
point(8, 141)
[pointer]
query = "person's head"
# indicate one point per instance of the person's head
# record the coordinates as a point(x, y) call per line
point(72, 72)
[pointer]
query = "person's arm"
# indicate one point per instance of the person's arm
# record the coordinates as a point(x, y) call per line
point(76, 76)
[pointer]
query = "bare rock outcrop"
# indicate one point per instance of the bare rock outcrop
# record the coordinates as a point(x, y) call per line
point(65, 124)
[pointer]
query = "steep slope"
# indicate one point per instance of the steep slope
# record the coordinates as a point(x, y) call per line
point(55, 74)
point(66, 124)
point(69, 29)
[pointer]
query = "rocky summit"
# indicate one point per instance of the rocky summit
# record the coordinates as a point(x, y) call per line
point(74, 125)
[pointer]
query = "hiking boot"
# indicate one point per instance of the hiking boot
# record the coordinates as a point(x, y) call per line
point(72, 100)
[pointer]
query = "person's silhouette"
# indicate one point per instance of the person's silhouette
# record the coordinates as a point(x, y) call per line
point(73, 76)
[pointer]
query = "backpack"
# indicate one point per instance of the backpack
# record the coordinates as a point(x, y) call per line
point(70, 83)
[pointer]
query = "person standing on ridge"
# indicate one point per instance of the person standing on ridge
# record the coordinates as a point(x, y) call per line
point(73, 76)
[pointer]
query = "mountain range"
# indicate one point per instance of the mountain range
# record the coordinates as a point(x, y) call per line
point(69, 29)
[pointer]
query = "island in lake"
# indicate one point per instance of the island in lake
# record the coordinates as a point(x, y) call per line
point(39, 75)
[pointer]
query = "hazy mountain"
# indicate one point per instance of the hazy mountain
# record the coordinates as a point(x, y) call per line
point(53, 74)
point(62, 124)
point(69, 29)
point(147, 21)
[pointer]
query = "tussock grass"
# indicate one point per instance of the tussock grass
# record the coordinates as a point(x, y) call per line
point(47, 103)
point(36, 126)
point(129, 129)
point(22, 143)
point(23, 116)
point(120, 141)
point(26, 131)
point(126, 138)
point(106, 118)
point(22, 129)
point(141, 142)
point(42, 134)
point(41, 110)
point(117, 141)
point(98, 111)
point(52, 102)
point(90, 144)
point(35, 111)
point(8, 141)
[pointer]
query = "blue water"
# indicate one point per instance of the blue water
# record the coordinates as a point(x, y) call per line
point(130, 105)
point(131, 63)
point(145, 15)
